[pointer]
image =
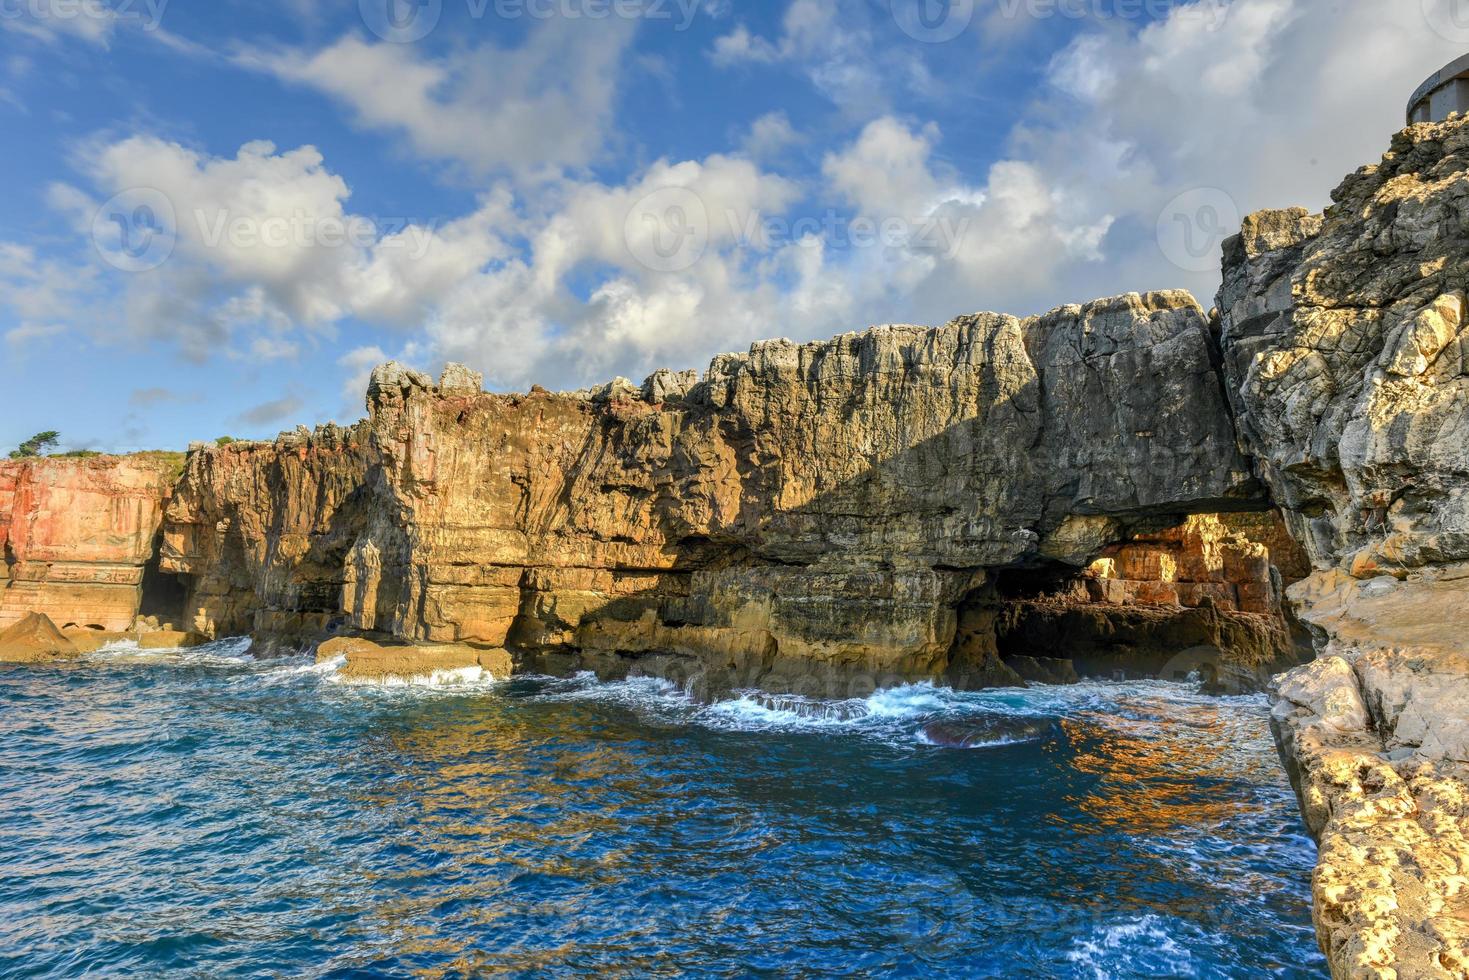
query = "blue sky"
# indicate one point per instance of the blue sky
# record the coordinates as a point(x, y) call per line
point(220, 213)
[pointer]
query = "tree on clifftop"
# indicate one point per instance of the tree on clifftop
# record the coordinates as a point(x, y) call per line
point(35, 444)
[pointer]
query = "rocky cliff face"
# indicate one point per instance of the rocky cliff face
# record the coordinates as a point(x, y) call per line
point(259, 531)
point(77, 534)
point(800, 510)
point(1347, 359)
point(1346, 354)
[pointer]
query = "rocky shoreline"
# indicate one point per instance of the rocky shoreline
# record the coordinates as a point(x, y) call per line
point(1375, 736)
point(1123, 488)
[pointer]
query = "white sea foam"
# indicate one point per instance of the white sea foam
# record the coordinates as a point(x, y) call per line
point(976, 743)
point(900, 715)
point(228, 652)
point(895, 715)
point(459, 679)
point(294, 669)
point(651, 693)
point(914, 700)
point(1137, 947)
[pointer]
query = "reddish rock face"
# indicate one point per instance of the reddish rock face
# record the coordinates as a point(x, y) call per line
point(76, 535)
point(1240, 562)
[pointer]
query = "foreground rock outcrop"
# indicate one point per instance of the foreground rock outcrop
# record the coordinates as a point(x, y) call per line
point(1375, 735)
point(1345, 348)
point(34, 639)
point(367, 662)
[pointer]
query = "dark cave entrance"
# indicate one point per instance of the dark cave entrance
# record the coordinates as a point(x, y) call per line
point(1033, 637)
point(1052, 624)
point(164, 594)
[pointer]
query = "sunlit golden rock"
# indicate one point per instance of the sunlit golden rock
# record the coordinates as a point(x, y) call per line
point(368, 662)
point(33, 640)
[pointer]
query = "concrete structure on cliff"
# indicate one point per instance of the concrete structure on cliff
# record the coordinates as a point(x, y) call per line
point(1443, 93)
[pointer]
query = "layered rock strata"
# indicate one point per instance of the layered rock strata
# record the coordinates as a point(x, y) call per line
point(77, 534)
point(1347, 359)
point(800, 510)
point(259, 532)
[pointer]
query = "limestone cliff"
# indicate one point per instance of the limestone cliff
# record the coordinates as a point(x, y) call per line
point(1347, 359)
point(1346, 354)
point(77, 534)
point(799, 510)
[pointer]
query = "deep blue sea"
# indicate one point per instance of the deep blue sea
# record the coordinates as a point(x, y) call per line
point(202, 814)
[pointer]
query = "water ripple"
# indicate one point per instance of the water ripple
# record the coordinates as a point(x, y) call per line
point(199, 813)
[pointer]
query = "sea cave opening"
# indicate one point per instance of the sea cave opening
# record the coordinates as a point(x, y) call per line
point(164, 594)
point(1202, 600)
